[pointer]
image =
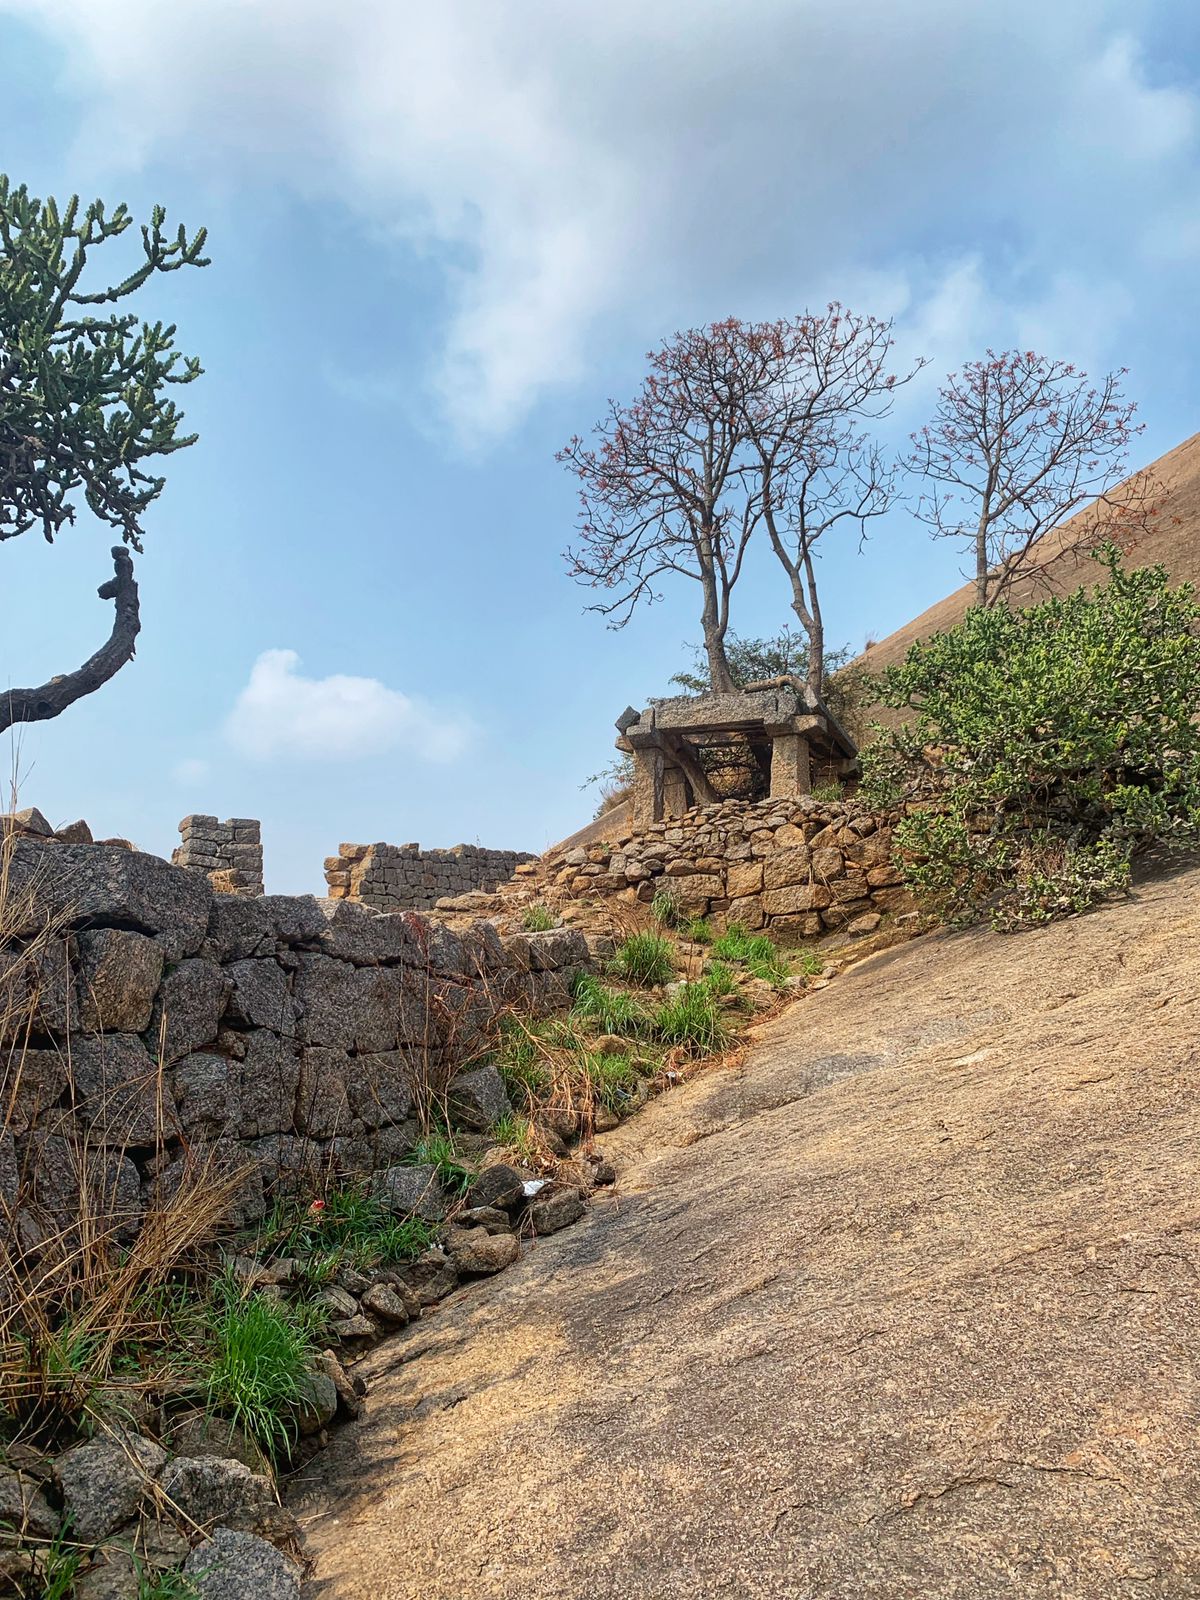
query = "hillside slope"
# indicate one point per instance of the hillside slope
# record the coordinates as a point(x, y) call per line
point(904, 1305)
point(1174, 541)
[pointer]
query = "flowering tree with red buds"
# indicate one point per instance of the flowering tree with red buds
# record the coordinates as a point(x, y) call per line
point(1019, 443)
point(668, 488)
point(826, 375)
point(737, 424)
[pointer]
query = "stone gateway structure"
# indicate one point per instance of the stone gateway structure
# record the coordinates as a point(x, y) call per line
point(774, 735)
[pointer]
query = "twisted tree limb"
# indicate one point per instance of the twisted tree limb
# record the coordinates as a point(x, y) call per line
point(39, 705)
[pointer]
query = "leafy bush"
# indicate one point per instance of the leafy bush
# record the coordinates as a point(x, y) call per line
point(1045, 748)
point(609, 1010)
point(754, 951)
point(538, 918)
point(690, 1018)
point(646, 959)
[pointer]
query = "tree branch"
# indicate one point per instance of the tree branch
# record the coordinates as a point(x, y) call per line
point(39, 705)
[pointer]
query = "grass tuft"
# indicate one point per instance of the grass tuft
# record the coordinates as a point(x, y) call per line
point(261, 1350)
point(608, 1010)
point(664, 908)
point(646, 959)
point(690, 1018)
point(538, 918)
point(754, 951)
point(699, 931)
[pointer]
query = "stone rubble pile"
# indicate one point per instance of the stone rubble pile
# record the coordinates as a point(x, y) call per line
point(406, 878)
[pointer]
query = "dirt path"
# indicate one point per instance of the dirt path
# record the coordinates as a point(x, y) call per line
point(907, 1306)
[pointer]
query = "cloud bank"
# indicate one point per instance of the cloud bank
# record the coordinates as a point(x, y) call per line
point(579, 172)
point(282, 713)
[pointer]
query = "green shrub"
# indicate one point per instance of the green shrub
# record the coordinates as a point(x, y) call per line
point(699, 931)
point(608, 1010)
point(259, 1354)
point(646, 959)
point(690, 1018)
point(1045, 748)
point(538, 918)
point(664, 908)
point(754, 951)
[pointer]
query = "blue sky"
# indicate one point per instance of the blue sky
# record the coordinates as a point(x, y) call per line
point(441, 237)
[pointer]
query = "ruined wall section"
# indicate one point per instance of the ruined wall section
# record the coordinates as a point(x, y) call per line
point(229, 853)
point(148, 1024)
point(404, 877)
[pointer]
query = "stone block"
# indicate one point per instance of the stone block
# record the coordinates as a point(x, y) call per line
point(827, 863)
point(260, 997)
point(118, 1093)
point(119, 975)
point(744, 878)
point(787, 867)
point(268, 1081)
point(796, 897)
point(747, 911)
point(187, 1013)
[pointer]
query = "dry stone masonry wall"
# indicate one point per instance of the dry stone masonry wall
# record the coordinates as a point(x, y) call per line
point(280, 1034)
point(406, 878)
point(228, 853)
point(798, 868)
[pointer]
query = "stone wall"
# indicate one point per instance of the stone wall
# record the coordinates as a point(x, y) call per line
point(404, 877)
point(798, 868)
point(229, 853)
point(153, 1024)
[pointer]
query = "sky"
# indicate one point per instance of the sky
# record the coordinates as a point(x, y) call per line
point(441, 238)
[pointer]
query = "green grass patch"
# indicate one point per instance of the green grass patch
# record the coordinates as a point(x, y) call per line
point(347, 1227)
point(690, 1018)
point(754, 951)
point(438, 1150)
point(613, 1078)
point(664, 908)
point(607, 1010)
point(810, 963)
point(699, 931)
point(720, 979)
point(538, 918)
point(253, 1374)
point(646, 959)
point(516, 1133)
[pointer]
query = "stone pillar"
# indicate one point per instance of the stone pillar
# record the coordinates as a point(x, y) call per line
point(228, 853)
point(791, 768)
point(675, 792)
point(647, 787)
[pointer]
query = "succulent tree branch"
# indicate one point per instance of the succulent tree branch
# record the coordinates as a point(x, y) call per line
point(49, 699)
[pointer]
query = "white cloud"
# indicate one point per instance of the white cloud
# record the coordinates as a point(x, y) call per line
point(592, 175)
point(280, 712)
point(190, 769)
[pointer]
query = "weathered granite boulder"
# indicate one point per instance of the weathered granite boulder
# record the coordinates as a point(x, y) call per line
point(190, 1004)
point(105, 886)
point(232, 1565)
point(478, 1099)
point(104, 1481)
point(119, 975)
point(411, 1191)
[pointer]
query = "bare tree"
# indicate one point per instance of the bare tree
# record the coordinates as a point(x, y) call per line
point(814, 380)
point(670, 486)
point(1019, 443)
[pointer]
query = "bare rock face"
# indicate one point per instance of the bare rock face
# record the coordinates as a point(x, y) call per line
point(233, 1566)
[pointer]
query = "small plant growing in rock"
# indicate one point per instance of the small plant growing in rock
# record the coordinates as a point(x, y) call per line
point(438, 1150)
point(538, 918)
point(664, 908)
point(690, 1018)
point(645, 959)
point(517, 1134)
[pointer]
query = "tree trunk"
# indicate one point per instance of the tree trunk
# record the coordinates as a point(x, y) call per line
point(50, 699)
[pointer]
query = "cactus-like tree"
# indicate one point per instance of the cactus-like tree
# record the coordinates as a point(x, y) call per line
point(84, 404)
